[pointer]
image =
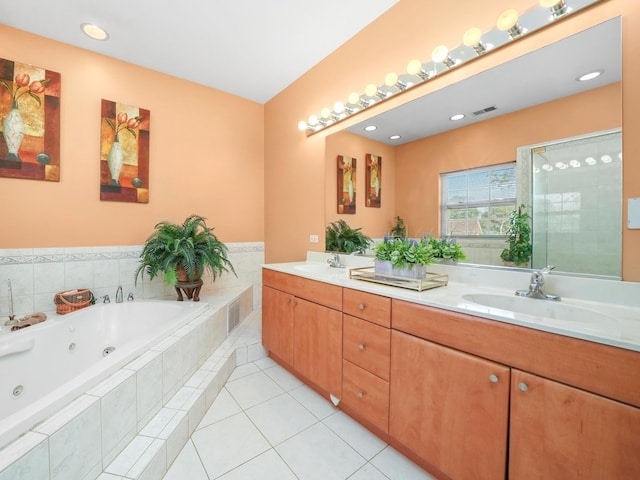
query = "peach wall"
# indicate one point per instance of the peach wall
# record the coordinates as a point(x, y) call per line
point(206, 155)
point(411, 29)
point(491, 142)
point(373, 221)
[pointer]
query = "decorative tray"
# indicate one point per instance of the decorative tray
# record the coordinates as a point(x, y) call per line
point(368, 274)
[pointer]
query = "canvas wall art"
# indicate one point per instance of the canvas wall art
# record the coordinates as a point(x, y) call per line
point(373, 180)
point(346, 184)
point(30, 122)
point(124, 153)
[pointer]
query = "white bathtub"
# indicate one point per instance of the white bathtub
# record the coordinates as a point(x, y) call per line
point(45, 366)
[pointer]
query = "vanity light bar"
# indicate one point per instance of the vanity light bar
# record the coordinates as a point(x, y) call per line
point(442, 60)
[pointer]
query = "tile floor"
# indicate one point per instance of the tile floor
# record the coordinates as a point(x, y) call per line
point(267, 424)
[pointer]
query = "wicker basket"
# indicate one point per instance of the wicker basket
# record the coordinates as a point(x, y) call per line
point(72, 300)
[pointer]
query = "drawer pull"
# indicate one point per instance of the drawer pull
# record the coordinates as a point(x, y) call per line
point(361, 394)
point(361, 306)
point(362, 346)
point(493, 378)
point(523, 387)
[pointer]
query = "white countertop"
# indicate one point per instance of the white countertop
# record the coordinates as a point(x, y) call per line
point(612, 324)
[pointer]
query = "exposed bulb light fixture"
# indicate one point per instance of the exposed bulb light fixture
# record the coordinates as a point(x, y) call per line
point(372, 90)
point(558, 7)
point(575, 163)
point(414, 67)
point(508, 22)
point(606, 159)
point(392, 80)
point(355, 99)
point(473, 38)
point(457, 116)
point(94, 31)
point(338, 107)
point(589, 76)
point(440, 54)
point(302, 125)
point(590, 161)
point(313, 121)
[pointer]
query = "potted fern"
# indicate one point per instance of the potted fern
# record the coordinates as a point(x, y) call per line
point(519, 249)
point(340, 237)
point(183, 252)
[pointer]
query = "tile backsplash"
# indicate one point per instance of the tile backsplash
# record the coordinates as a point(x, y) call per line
point(37, 274)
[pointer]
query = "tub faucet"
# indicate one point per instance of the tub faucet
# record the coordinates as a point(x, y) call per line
point(130, 297)
point(119, 294)
point(106, 299)
point(334, 261)
point(536, 286)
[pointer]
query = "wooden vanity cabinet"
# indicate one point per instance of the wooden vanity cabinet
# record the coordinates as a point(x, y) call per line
point(449, 408)
point(302, 327)
point(561, 432)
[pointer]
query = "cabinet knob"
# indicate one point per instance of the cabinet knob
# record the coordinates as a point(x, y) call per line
point(523, 387)
point(361, 346)
point(493, 378)
point(288, 300)
point(361, 394)
point(361, 306)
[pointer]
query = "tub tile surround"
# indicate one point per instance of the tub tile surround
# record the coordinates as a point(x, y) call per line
point(121, 428)
point(37, 274)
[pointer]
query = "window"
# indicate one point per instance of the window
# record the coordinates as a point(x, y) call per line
point(478, 201)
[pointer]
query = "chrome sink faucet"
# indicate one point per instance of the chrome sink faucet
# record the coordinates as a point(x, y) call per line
point(119, 298)
point(334, 261)
point(536, 286)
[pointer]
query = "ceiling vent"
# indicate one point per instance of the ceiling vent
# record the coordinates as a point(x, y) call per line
point(484, 110)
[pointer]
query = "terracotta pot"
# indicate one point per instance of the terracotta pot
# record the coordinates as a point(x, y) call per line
point(181, 273)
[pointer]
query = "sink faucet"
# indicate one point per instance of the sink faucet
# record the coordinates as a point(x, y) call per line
point(334, 261)
point(119, 295)
point(536, 286)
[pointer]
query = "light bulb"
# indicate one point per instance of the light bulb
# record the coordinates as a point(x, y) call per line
point(414, 67)
point(313, 120)
point(439, 54)
point(325, 112)
point(472, 37)
point(354, 98)
point(507, 19)
point(371, 90)
point(338, 107)
point(391, 79)
point(302, 125)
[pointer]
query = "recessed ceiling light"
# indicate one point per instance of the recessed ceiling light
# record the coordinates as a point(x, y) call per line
point(370, 128)
point(394, 137)
point(457, 116)
point(94, 31)
point(590, 76)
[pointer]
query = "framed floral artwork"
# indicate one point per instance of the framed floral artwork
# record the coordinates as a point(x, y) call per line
point(346, 184)
point(124, 153)
point(373, 180)
point(30, 122)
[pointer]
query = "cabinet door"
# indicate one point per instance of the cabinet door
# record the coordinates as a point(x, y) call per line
point(450, 408)
point(277, 323)
point(317, 345)
point(560, 432)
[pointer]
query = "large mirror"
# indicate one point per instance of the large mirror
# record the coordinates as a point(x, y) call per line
point(511, 113)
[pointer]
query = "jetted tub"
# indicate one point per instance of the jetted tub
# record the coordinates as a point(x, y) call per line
point(44, 367)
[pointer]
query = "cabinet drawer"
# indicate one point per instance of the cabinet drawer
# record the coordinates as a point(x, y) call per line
point(366, 345)
point(366, 394)
point(375, 308)
point(312, 290)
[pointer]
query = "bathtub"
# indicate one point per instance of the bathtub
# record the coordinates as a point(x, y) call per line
point(44, 367)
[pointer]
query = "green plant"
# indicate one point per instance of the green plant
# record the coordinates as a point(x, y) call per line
point(447, 248)
point(404, 251)
point(340, 237)
point(399, 229)
point(518, 237)
point(191, 246)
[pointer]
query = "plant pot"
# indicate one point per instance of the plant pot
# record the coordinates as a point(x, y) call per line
point(385, 267)
point(182, 276)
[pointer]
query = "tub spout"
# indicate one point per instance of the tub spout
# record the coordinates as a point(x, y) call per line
point(119, 295)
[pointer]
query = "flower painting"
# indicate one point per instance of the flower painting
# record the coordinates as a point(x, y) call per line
point(30, 122)
point(346, 184)
point(124, 153)
point(373, 180)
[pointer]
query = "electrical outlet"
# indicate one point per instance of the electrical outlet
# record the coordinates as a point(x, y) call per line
point(313, 238)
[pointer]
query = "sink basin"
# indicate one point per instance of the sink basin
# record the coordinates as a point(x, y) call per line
point(539, 308)
point(313, 268)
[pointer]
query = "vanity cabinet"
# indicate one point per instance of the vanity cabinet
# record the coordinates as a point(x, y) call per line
point(449, 408)
point(560, 432)
point(302, 327)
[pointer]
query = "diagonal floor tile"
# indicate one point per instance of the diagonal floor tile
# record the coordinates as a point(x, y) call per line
point(186, 465)
point(222, 407)
point(398, 467)
point(267, 466)
point(253, 389)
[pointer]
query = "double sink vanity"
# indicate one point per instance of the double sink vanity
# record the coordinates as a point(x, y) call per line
point(469, 380)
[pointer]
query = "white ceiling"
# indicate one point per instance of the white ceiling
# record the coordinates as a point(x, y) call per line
point(250, 48)
point(546, 74)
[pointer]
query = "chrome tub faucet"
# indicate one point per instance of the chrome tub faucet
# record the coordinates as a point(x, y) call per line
point(536, 286)
point(119, 298)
